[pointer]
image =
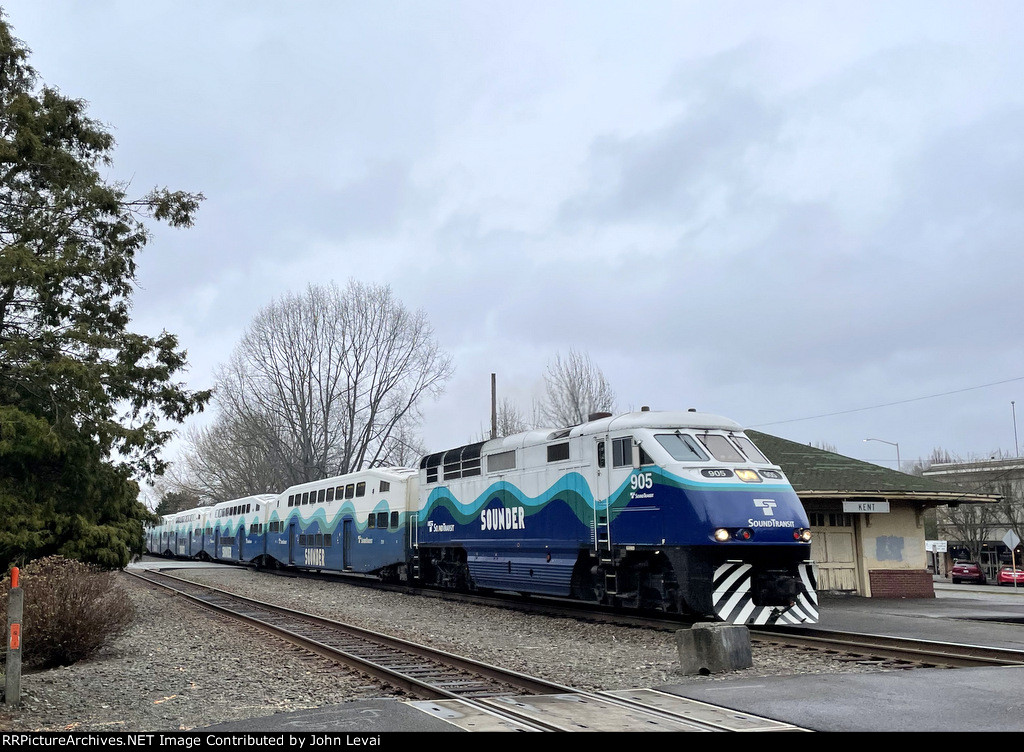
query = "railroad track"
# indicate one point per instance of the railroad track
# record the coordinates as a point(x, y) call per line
point(481, 696)
point(899, 652)
point(885, 651)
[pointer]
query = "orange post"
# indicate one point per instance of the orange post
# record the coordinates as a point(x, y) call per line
point(12, 676)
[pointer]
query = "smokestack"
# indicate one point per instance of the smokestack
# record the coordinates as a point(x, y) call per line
point(494, 406)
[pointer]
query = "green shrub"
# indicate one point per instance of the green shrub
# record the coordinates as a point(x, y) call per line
point(71, 611)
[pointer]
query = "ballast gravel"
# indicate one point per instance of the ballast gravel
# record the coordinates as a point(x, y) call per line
point(181, 667)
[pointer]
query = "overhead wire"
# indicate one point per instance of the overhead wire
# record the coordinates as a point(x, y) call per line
point(889, 404)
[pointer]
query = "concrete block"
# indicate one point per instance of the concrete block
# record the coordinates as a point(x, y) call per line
point(710, 648)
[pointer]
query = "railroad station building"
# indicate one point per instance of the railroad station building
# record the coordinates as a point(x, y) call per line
point(867, 522)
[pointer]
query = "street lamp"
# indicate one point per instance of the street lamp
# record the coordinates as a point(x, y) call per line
point(891, 443)
point(1016, 446)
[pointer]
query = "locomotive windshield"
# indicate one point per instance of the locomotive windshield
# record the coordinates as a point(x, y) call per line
point(681, 447)
point(752, 452)
point(721, 448)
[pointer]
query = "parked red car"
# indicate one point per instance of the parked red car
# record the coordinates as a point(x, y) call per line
point(967, 571)
point(1010, 576)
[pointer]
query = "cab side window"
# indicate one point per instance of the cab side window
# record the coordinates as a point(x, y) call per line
point(622, 452)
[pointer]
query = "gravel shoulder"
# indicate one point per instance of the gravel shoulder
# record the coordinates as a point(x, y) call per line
point(181, 668)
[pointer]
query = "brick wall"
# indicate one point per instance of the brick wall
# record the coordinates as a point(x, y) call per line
point(901, 583)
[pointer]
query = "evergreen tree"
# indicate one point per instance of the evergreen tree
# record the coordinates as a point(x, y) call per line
point(176, 501)
point(81, 397)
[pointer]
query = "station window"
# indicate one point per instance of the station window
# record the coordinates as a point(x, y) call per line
point(840, 520)
point(830, 519)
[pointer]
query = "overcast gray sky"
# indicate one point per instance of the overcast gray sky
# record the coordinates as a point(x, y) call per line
point(785, 213)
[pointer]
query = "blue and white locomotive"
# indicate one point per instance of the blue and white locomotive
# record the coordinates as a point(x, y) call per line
point(677, 511)
point(665, 510)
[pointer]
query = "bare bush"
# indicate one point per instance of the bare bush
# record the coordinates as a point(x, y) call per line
point(71, 611)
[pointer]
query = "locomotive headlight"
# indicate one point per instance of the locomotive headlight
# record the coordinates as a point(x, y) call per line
point(802, 534)
point(744, 533)
point(722, 535)
point(748, 476)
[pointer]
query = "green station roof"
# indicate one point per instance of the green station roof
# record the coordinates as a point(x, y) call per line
point(818, 472)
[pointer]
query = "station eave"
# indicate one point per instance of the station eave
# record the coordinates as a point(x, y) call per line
point(914, 497)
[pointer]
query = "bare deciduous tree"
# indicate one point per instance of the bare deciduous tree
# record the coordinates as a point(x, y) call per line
point(575, 388)
point(233, 457)
point(510, 419)
point(322, 383)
